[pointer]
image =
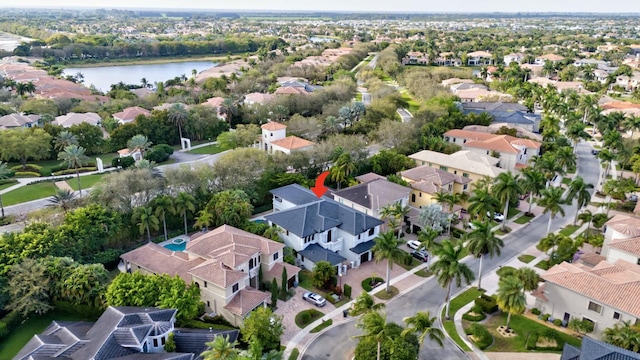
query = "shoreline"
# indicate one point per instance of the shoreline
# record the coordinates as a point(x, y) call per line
point(151, 61)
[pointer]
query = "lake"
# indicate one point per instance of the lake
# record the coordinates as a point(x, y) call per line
point(8, 42)
point(104, 76)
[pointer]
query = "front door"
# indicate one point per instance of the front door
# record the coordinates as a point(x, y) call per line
point(364, 257)
point(566, 318)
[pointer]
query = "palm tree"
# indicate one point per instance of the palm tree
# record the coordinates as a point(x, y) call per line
point(144, 82)
point(482, 202)
point(449, 199)
point(203, 220)
point(606, 156)
point(631, 123)
point(482, 241)
point(422, 324)
point(229, 109)
point(427, 238)
point(164, 205)
point(146, 219)
point(586, 217)
point(331, 125)
point(386, 248)
point(374, 325)
point(506, 188)
point(579, 190)
point(532, 182)
point(551, 200)
point(178, 115)
point(565, 157)
point(449, 269)
point(64, 139)
point(139, 142)
point(550, 242)
point(184, 202)
point(63, 199)
point(510, 296)
point(5, 173)
point(623, 335)
point(365, 303)
point(221, 349)
point(74, 156)
point(342, 169)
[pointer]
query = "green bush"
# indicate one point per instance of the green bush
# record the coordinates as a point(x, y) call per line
point(532, 339)
point(216, 320)
point(408, 259)
point(4, 331)
point(197, 324)
point(294, 354)
point(305, 317)
point(73, 171)
point(26, 174)
point(159, 153)
point(28, 167)
point(476, 309)
point(536, 311)
point(557, 322)
point(366, 283)
point(488, 303)
point(545, 317)
point(330, 298)
point(505, 271)
point(123, 162)
point(474, 317)
point(481, 335)
point(347, 291)
point(83, 309)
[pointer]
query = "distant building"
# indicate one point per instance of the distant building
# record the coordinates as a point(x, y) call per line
point(274, 138)
point(17, 120)
point(479, 58)
point(465, 163)
point(541, 60)
point(130, 114)
point(508, 114)
point(513, 57)
point(71, 119)
point(592, 349)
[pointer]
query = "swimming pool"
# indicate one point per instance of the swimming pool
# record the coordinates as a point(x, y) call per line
point(259, 221)
point(176, 247)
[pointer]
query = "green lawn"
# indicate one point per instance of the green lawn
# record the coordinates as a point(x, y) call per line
point(208, 150)
point(523, 327)
point(543, 264)
point(569, 229)
point(8, 184)
point(384, 295)
point(28, 193)
point(322, 326)
point(86, 181)
point(522, 219)
point(312, 316)
point(456, 303)
point(512, 212)
point(20, 336)
point(47, 165)
point(304, 277)
point(526, 258)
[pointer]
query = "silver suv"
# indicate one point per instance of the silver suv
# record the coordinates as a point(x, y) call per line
point(314, 298)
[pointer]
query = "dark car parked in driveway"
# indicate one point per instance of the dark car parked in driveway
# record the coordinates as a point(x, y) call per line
point(420, 255)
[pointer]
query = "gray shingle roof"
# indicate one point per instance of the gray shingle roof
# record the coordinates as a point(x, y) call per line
point(295, 194)
point(363, 247)
point(374, 194)
point(597, 350)
point(193, 340)
point(315, 253)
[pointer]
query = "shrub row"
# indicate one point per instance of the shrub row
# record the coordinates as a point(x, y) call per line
point(85, 310)
point(73, 171)
point(27, 174)
point(487, 303)
point(481, 335)
point(474, 317)
point(65, 166)
point(347, 290)
point(28, 167)
point(532, 340)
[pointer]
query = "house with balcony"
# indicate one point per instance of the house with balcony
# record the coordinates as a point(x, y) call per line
point(224, 263)
point(514, 153)
point(372, 196)
point(479, 58)
point(605, 291)
point(322, 229)
point(468, 164)
point(121, 332)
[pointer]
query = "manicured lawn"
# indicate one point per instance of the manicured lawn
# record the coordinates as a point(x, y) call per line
point(523, 219)
point(512, 212)
point(384, 295)
point(456, 303)
point(526, 258)
point(46, 165)
point(569, 229)
point(304, 277)
point(322, 326)
point(86, 181)
point(208, 150)
point(523, 327)
point(313, 315)
point(28, 193)
point(20, 336)
point(566, 180)
point(8, 184)
point(543, 264)
point(423, 273)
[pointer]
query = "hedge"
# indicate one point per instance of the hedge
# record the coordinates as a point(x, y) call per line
point(86, 310)
point(347, 291)
point(197, 324)
point(536, 311)
point(27, 174)
point(366, 283)
point(27, 167)
point(73, 171)
point(481, 335)
point(488, 303)
point(474, 317)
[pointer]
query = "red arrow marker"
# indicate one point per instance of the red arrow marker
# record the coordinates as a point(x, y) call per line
point(320, 189)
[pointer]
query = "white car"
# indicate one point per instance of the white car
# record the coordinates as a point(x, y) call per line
point(414, 244)
point(496, 216)
point(314, 298)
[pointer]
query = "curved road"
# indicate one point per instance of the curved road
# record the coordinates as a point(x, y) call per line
point(338, 342)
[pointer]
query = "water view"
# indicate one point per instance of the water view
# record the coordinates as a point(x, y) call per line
point(103, 77)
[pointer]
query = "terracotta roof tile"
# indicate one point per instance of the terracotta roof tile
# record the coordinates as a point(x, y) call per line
point(272, 126)
point(292, 142)
point(246, 300)
point(130, 113)
point(625, 224)
point(218, 273)
point(632, 245)
point(158, 259)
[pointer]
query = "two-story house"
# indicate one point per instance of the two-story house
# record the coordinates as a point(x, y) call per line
point(505, 113)
point(513, 57)
point(371, 196)
point(426, 181)
point(479, 58)
point(415, 58)
point(466, 163)
point(224, 263)
point(321, 229)
point(542, 59)
point(514, 153)
point(274, 138)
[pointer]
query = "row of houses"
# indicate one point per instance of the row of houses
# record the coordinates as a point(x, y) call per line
point(20, 120)
point(475, 58)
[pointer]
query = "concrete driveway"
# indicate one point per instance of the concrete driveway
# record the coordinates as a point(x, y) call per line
point(289, 309)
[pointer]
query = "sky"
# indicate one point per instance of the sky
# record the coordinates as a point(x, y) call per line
point(463, 6)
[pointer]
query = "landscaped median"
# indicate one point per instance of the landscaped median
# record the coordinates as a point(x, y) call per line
point(457, 303)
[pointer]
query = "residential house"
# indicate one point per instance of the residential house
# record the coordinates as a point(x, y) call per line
point(142, 93)
point(321, 229)
point(257, 98)
point(415, 58)
point(130, 114)
point(541, 60)
point(560, 85)
point(122, 332)
point(371, 196)
point(448, 59)
point(514, 153)
point(17, 120)
point(481, 95)
point(513, 57)
point(507, 114)
point(629, 83)
point(479, 58)
point(274, 138)
point(71, 119)
point(592, 349)
point(426, 181)
point(134, 153)
point(467, 163)
point(291, 90)
point(224, 263)
point(622, 239)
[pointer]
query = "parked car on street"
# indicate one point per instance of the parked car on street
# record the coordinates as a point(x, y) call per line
point(420, 255)
point(414, 244)
point(496, 216)
point(314, 298)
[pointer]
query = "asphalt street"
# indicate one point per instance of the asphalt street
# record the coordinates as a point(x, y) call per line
point(338, 342)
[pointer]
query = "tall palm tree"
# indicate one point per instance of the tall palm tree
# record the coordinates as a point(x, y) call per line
point(427, 238)
point(63, 199)
point(386, 248)
point(365, 303)
point(565, 157)
point(586, 217)
point(481, 203)
point(5, 173)
point(64, 139)
point(374, 325)
point(342, 169)
point(184, 203)
point(204, 219)
point(74, 156)
point(450, 199)
point(631, 123)
point(164, 205)
point(229, 109)
point(551, 200)
point(510, 296)
point(550, 242)
point(482, 241)
point(506, 188)
point(422, 324)
point(579, 190)
point(606, 156)
point(221, 349)
point(178, 115)
point(532, 182)
point(146, 219)
point(449, 269)
point(144, 82)
point(139, 142)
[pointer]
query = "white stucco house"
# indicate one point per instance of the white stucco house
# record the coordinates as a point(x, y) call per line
point(274, 138)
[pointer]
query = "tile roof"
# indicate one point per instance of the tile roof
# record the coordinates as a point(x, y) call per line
point(214, 101)
point(374, 194)
point(616, 285)
point(130, 113)
point(246, 300)
point(276, 270)
point(71, 119)
point(431, 180)
point(551, 57)
point(273, 125)
point(363, 247)
point(627, 225)
point(158, 259)
point(292, 143)
point(291, 90)
point(225, 236)
point(465, 160)
point(479, 54)
point(218, 273)
point(369, 177)
point(17, 120)
point(258, 98)
point(498, 143)
point(631, 246)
